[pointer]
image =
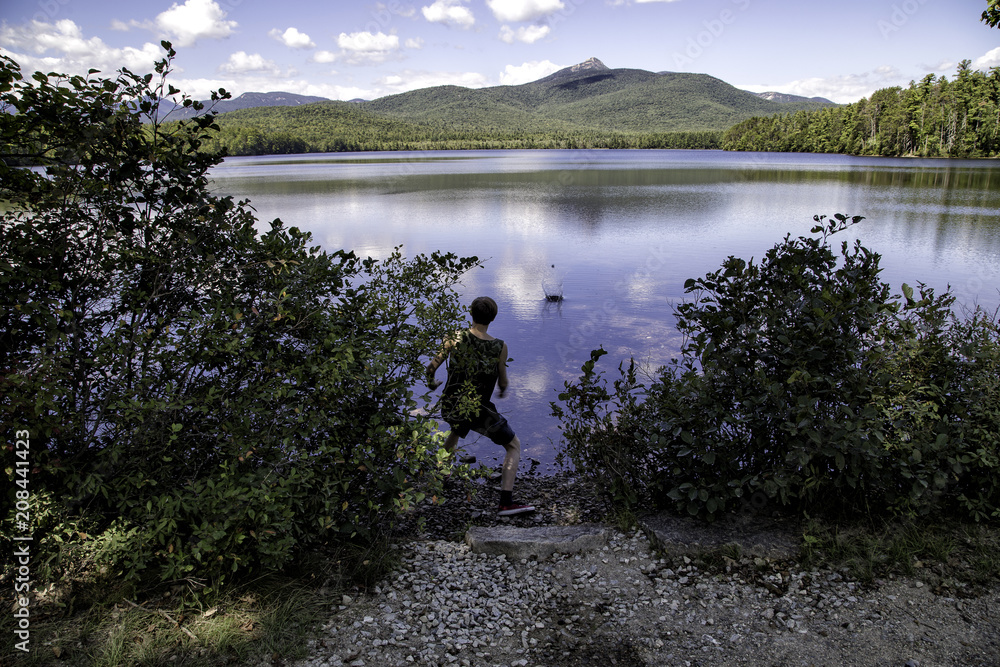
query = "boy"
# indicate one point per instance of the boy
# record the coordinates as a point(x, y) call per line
point(476, 363)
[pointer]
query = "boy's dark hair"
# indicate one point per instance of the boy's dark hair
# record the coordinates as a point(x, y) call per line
point(483, 310)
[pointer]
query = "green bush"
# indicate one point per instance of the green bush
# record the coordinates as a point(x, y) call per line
point(804, 381)
point(225, 397)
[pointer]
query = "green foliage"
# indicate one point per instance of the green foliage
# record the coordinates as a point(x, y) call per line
point(804, 381)
point(932, 118)
point(991, 15)
point(603, 434)
point(331, 127)
point(220, 397)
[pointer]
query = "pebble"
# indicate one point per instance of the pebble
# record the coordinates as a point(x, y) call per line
point(629, 605)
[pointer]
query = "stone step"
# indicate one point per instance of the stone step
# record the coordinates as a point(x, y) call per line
point(539, 542)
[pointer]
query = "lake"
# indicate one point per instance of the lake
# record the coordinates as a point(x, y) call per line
point(624, 230)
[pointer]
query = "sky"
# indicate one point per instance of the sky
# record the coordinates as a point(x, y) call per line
point(340, 49)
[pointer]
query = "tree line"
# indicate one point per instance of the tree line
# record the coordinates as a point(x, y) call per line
point(240, 139)
point(936, 117)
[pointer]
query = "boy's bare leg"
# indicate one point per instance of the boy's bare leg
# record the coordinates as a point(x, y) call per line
point(451, 442)
point(510, 463)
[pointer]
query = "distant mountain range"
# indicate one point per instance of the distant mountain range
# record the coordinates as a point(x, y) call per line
point(784, 98)
point(586, 96)
point(250, 101)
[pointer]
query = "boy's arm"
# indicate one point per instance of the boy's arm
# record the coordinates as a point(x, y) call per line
point(502, 371)
point(436, 362)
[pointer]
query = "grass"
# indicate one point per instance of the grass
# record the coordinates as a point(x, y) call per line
point(960, 558)
point(103, 624)
point(272, 616)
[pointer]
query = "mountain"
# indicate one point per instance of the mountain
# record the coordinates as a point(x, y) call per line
point(249, 101)
point(586, 96)
point(589, 96)
point(588, 105)
point(785, 98)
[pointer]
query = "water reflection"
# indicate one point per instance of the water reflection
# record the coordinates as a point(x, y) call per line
point(626, 229)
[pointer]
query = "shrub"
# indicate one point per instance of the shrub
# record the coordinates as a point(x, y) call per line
point(225, 397)
point(802, 380)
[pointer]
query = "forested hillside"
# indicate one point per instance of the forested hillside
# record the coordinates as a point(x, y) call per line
point(936, 117)
point(587, 106)
point(596, 99)
point(343, 126)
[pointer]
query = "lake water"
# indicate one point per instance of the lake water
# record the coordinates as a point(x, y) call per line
point(624, 230)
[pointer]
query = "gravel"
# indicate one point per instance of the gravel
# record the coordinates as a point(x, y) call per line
point(625, 604)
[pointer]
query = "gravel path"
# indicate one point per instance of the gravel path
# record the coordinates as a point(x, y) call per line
point(626, 605)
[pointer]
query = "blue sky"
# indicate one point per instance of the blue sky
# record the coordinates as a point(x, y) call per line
point(342, 50)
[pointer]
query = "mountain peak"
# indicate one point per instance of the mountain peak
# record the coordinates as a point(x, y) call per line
point(589, 64)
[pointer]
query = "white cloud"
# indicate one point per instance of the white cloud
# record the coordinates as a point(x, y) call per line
point(324, 57)
point(62, 48)
point(528, 72)
point(292, 38)
point(449, 12)
point(990, 59)
point(417, 43)
point(527, 34)
point(242, 62)
point(194, 20)
point(202, 89)
point(843, 89)
point(515, 11)
point(413, 80)
point(366, 47)
point(122, 26)
point(943, 66)
point(358, 48)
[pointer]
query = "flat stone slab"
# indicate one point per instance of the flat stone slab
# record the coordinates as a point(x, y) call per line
point(540, 542)
point(755, 536)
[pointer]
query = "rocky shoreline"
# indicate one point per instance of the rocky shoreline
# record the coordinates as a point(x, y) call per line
point(628, 603)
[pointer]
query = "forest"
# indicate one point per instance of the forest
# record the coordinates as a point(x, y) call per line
point(243, 140)
point(936, 117)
